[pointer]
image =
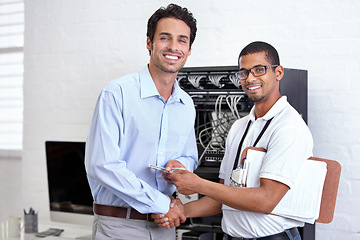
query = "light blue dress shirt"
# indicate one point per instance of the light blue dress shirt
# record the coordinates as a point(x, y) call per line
point(133, 127)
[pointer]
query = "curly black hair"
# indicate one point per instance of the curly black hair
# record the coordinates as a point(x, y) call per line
point(172, 11)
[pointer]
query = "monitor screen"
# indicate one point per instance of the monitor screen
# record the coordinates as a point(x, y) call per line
point(69, 191)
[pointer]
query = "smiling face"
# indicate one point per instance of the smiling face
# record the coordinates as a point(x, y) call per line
point(170, 47)
point(263, 89)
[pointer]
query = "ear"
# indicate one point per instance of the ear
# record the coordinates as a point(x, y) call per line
point(148, 44)
point(279, 71)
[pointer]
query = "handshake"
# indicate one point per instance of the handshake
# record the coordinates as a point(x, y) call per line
point(173, 217)
point(187, 183)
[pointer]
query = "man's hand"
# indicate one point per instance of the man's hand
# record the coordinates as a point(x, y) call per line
point(172, 164)
point(173, 218)
point(186, 182)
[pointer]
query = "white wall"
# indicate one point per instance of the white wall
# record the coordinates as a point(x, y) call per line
point(10, 184)
point(73, 48)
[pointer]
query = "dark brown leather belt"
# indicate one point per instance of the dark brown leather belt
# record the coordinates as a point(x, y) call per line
point(120, 212)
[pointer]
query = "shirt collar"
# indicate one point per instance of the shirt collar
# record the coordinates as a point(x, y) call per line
point(177, 95)
point(148, 88)
point(274, 110)
point(147, 85)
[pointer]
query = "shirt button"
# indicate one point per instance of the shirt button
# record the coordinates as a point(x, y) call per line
point(161, 153)
point(159, 176)
point(131, 202)
point(164, 130)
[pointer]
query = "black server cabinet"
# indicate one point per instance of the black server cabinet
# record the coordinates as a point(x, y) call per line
point(206, 85)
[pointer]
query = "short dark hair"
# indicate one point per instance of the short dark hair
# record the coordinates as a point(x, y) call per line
point(271, 54)
point(172, 11)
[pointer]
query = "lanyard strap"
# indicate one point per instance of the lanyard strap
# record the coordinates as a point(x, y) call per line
point(236, 162)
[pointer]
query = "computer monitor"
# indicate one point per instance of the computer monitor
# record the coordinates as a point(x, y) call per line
point(69, 192)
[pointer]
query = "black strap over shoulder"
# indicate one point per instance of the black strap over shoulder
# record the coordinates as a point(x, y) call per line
point(236, 162)
point(263, 130)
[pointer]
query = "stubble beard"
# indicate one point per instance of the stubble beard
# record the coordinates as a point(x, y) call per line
point(256, 99)
point(167, 70)
point(160, 64)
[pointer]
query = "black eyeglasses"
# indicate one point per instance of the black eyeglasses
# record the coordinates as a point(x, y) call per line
point(255, 71)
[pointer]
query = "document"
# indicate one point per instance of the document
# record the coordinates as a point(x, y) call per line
point(302, 202)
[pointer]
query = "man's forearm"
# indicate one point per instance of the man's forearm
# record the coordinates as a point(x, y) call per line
point(203, 207)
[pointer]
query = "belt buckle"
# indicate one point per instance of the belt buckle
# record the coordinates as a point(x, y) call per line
point(149, 218)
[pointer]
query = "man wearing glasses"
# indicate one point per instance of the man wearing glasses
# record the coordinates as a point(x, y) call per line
point(273, 124)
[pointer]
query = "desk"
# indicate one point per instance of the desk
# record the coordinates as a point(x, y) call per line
point(70, 232)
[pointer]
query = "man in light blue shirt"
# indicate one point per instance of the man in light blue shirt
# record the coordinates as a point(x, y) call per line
point(141, 119)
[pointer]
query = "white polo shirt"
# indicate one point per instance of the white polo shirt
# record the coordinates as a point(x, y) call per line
point(289, 143)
